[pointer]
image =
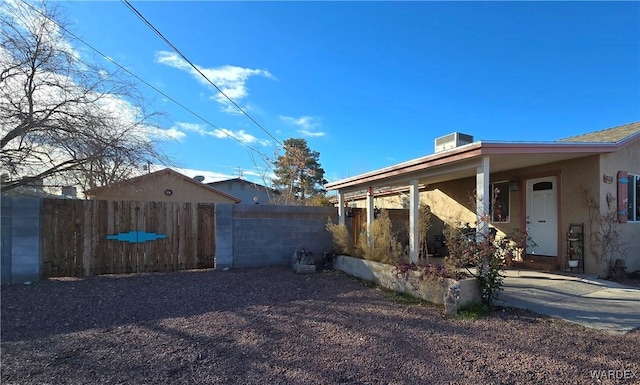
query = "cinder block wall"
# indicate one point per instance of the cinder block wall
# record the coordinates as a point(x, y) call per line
point(267, 235)
point(21, 228)
point(247, 235)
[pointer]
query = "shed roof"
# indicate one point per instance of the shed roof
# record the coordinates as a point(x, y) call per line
point(155, 174)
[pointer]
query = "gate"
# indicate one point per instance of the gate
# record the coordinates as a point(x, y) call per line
point(93, 237)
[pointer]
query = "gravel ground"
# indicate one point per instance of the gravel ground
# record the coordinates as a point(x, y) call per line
point(270, 326)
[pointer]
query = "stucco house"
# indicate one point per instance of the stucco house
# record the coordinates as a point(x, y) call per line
point(165, 185)
point(247, 192)
point(541, 187)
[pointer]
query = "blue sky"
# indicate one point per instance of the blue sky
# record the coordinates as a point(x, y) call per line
point(371, 84)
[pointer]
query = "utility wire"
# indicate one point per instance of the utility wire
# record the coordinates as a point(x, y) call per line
point(173, 47)
point(145, 82)
point(266, 158)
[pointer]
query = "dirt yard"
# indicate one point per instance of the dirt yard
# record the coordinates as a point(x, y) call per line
point(270, 326)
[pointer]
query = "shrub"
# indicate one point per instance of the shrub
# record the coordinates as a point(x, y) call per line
point(484, 259)
point(342, 243)
point(424, 225)
point(385, 247)
point(605, 239)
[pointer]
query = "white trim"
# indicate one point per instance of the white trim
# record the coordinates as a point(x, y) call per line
point(414, 202)
point(482, 191)
point(370, 217)
point(341, 211)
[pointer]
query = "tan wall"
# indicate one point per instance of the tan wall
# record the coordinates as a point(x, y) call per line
point(153, 189)
point(383, 202)
point(453, 203)
point(628, 159)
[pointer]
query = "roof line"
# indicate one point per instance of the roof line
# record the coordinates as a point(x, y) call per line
point(159, 172)
point(477, 148)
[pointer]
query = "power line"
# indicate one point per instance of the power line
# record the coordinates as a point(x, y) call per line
point(175, 49)
point(144, 81)
point(266, 158)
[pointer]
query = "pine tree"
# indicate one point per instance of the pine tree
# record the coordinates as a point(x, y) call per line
point(298, 172)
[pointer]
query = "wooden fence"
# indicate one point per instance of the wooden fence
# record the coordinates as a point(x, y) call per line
point(82, 238)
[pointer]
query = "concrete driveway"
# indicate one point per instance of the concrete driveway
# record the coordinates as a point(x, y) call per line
point(583, 299)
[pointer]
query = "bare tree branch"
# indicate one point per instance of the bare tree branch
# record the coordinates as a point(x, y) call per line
point(62, 117)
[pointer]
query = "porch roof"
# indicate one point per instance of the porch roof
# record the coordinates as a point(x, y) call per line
point(462, 162)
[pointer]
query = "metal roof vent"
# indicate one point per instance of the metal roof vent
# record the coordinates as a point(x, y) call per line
point(452, 140)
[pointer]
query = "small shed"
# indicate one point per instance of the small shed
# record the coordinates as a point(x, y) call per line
point(165, 185)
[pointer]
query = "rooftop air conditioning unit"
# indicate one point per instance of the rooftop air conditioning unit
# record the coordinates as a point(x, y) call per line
point(453, 140)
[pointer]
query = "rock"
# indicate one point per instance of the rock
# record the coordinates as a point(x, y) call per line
point(451, 298)
point(304, 269)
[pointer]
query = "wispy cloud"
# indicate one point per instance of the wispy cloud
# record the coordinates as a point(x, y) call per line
point(220, 133)
point(124, 114)
point(192, 127)
point(162, 134)
point(231, 80)
point(307, 125)
point(241, 135)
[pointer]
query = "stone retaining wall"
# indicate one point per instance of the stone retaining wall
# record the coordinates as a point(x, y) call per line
point(432, 290)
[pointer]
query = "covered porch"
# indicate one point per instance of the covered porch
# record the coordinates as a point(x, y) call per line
point(447, 180)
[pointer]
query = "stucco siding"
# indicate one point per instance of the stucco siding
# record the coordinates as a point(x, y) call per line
point(627, 159)
point(155, 189)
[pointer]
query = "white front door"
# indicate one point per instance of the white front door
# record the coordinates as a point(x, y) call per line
point(542, 215)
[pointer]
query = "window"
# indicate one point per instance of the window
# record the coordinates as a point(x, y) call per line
point(500, 202)
point(633, 211)
point(541, 186)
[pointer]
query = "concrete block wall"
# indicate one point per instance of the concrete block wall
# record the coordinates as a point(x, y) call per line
point(21, 229)
point(224, 235)
point(267, 235)
point(247, 235)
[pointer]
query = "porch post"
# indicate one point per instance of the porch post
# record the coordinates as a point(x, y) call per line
point(483, 196)
point(414, 202)
point(370, 216)
point(341, 208)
